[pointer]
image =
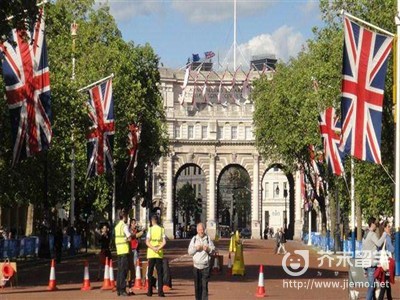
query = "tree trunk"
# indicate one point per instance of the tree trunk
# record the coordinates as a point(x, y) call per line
point(29, 220)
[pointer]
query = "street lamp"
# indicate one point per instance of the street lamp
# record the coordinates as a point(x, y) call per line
point(277, 190)
point(285, 194)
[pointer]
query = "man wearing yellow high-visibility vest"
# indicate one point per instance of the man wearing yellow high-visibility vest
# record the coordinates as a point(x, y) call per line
point(155, 241)
point(122, 238)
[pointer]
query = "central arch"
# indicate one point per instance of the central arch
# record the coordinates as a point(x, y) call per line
point(189, 182)
point(233, 199)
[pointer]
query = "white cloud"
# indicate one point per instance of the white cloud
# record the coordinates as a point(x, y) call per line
point(284, 43)
point(126, 9)
point(217, 10)
point(310, 7)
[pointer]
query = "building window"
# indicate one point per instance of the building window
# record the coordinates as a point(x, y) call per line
point(247, 132)
point(190, 131)
point(234, 132)
point(276, 190)
point(177, 131)
point(220, 132)
point(204, 132)
point(266, 190)
point(276, 169)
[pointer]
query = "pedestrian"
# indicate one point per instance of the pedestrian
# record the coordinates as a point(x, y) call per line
point(282, 241)
point(155, 241)
point(122, 239)
point(201, 247)
point(266, 233)
point(136, 234)
point(105, 252)
point(278, 241)
point(369, 248)
point(390, 272)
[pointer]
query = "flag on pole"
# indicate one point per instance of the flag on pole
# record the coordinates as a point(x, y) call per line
point(133, 146)
point(220, 87)
point(209, 54)
point(365, 57)
point(195, 57)
point(330, 128)
point(26, 76)
point(187, 74)
point(195, 86)
point(204, 90)
point(246, 86)
point(101, 133)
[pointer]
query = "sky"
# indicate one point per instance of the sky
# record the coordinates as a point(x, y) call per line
point(176, 29)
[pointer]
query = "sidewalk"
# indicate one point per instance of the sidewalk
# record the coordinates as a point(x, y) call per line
point(315, 283)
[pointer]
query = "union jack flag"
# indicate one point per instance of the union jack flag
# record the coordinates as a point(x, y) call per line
point(209, 54)
point(330, 128)
point(101, 133)
point(133, 146)
point(365, 57)
point(27, 80)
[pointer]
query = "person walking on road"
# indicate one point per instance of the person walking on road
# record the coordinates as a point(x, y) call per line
point(388, 274)
point(155, 241)
point(104, 239)
point(201, 247)
point(370, 245)
point(280, 242)
point(122, 239)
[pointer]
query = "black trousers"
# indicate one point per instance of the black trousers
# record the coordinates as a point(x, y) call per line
point(123, 267)
point(158, 263)
point(386, 288)
point(201, 277)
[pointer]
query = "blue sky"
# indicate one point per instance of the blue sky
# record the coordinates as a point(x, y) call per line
point(178, 28)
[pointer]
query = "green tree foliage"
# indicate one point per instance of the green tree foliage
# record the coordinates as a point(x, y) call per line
point(287, 107)
point(100, 51)
point(186, 202)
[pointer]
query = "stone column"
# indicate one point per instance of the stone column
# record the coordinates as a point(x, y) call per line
point(255, 205)
point(168, 223)
point(211, 225)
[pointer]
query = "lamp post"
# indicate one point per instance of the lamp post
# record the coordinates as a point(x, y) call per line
point(199, 207)
point(285, 194)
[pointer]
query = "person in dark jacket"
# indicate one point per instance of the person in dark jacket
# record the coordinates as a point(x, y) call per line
point(390, 272)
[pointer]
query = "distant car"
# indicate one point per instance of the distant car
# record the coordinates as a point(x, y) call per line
point(245, 233)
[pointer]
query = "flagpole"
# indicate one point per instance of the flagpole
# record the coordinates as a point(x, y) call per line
point(353, 211)
point(397, 147)
point(366, 23)
point(96, 83)
point(74, 28)
point(234, 34)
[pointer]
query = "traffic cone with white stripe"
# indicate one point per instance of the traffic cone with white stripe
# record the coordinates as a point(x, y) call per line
point(111, 269)
point(52, 280)
point(86, 281)
point(106, 282)
point(138, 280)
point(215, 269)
point(260, 289)
point(229, 272)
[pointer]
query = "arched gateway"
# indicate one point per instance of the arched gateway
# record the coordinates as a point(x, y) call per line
point(212, 135)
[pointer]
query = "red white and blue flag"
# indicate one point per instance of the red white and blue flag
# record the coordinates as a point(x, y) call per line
point(209, 54)
point(27, 80)
point(133, 147)
point(101, 133)
point(365, 57)
point(330, 128)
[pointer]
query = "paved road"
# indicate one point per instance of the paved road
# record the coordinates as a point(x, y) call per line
point(33, 278)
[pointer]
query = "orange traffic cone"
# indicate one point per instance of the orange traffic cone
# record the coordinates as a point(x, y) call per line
point(111, 269)
point(86, 280)
point(215, 269)
point(146, 283)
point(106, 282)
point(229, 272)
point(138, 280)
point(52, 280)
point(260, 289)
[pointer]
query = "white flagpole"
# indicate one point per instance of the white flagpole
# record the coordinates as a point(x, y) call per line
point(353, 210)
point(397, 147)
point(366, 23)
point(234, 34)
point(96, 83)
